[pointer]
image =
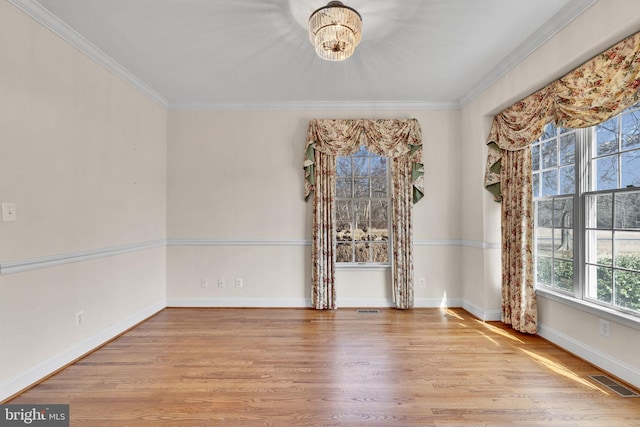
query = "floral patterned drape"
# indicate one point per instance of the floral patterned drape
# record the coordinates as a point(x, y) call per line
point(326, 139)
point(590, 94)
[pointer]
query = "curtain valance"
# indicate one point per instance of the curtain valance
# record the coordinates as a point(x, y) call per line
point(384, 137)
point(590, 94)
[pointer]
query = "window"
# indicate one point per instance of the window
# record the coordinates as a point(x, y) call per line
point(586, 190)
point(362, 208)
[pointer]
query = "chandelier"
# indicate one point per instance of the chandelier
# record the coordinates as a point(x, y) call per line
point(335, 30)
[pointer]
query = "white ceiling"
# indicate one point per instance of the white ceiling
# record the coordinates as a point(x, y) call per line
point(256, 53)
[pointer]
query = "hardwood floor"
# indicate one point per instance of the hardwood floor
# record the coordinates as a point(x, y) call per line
point(301, 367)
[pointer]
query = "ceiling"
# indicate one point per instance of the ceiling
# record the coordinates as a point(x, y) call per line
point(189, 54)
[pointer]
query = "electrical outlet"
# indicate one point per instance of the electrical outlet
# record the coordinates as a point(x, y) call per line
point(422, 282)
point(8, 211)
point(605, 328)
point(239, 282)
point(221, 282)
point(203, 283)
point(79, 319)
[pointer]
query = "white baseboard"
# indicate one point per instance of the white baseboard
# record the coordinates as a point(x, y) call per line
point(239, 302)
point(603, 361)
point(301, 303)
point(42, 370)
point(484, 315)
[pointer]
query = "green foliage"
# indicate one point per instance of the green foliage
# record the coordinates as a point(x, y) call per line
point(627, 283)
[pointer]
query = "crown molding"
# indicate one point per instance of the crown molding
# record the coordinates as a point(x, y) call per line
point(71, 36)
point(564, 17)
point(317, 105)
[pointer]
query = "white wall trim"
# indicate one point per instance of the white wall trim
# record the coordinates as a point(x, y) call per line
point(234, 242)
point(28, 264)
point(239, 302)
point(318, 105)
point(603, 361)
point(484, 315)
point(18, 266)
point(457, 242)
point(20, 382)
point(567, 14)
point(75, 39)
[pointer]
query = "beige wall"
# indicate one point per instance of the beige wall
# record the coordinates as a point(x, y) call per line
point(600, 27)
point(236, 209)
point(84, 159)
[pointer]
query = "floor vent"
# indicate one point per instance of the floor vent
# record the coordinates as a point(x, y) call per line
point(368, 311)
point(615, 386)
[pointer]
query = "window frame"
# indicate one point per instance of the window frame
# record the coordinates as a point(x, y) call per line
point(388, 182)
point(585, 185)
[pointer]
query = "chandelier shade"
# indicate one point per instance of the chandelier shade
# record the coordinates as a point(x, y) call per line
point(335, 30)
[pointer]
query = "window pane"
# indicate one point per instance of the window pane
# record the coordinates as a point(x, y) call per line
point(607, 137)
point(627, 286)
point(379, 187)
point(360, 166)
point(343, 166)
point(630, 169)
point(544, 271)
point(535, 157)
point(378, 166)
point(549, 154)
point(362, 217)
point(343, 187)
point(379, 230)
point(380, 252)
point(563, 243)
point(627, 250)
point(606, 172)
point(550, 183)
point(599, 247)
point(567, 180)
point(343, 252)
point(343, 231)
point(631, 130)
point(544, 241)
point(362, 252)
point(379, 210)
point(536, 185)
point(627, 210)
point(568, 149)
point(563, 212)
point(544, 213)
point(600, 211)
point(549, 131)
point(563, 275)
point(361, 188)
point(602, 291)
point(343, 211)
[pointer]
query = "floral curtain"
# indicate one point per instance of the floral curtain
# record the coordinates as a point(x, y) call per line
point(590, 94)
point(326, 139)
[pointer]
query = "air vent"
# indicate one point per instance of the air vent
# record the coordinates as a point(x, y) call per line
point(368, 311)
point(614, 386)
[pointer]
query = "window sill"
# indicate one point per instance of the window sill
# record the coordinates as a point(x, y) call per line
point(594, 309)
point(363, 266)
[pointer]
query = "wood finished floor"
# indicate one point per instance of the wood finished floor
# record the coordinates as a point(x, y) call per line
point(301, 367)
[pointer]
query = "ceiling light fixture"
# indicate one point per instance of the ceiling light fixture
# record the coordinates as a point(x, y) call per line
point(335, 30)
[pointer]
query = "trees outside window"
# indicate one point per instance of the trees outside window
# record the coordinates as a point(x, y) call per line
point(362, 208)
point(586, 190)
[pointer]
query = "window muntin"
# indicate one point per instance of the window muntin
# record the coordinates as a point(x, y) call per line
point(608, 203)
point(553, 164)
point(362, 208)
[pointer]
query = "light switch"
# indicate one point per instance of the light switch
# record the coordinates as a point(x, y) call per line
point(8, 211)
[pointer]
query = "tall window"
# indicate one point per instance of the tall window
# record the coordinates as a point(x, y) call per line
point(586, 189)
point(362, 208)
